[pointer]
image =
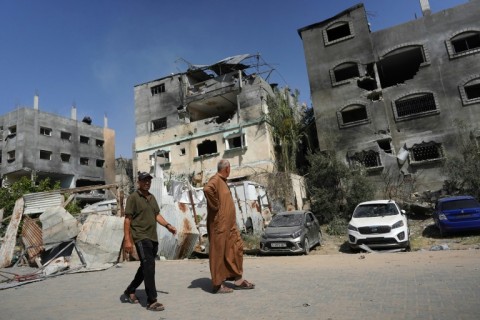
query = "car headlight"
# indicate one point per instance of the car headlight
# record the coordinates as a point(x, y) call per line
point(296, 234)
point(441, 216)
point(398, 224)
point(350, 227)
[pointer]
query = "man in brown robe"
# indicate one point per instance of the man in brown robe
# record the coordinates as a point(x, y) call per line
point(226, 245)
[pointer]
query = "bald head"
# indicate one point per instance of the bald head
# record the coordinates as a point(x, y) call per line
point(223, 167)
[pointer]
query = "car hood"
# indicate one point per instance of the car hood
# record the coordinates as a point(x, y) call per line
point(375, 221)
point(276, 231)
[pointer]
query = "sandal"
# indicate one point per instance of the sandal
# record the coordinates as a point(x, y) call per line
point(155, 306)
point(222, 289)
point(131, 298)
point(244, 285)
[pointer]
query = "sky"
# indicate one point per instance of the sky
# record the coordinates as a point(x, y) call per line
point(92, 53)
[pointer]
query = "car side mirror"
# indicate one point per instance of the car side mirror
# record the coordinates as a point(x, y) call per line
point(403, 212)
point(308, 224)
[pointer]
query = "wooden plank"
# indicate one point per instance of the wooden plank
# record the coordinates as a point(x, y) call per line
point(8, 247)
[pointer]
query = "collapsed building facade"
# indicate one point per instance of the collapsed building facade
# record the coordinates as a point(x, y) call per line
point(37, 144)
point(186, 122)
point(396, 100)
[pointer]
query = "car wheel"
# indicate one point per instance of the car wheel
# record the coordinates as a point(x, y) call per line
point(306, 246)
point(442, 233)
point(320, 239)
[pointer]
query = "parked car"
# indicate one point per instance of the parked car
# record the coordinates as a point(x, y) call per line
point(291, 232)
point(378, 224)
point(460, 213)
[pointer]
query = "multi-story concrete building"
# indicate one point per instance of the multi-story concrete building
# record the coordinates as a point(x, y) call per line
point(396, 100)
point(38, 144)
point(186, 122)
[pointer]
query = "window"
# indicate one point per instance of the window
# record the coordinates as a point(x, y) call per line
point(425, 152)
point(84, 139)
point(66, 136)
point(235, 141)
point(369, 159)
point(345, 71)
point(182, 151)
point(84, 161)
point(401, 64)
point(159, 124)
point(163, 157)
point(415, 105)
point(45, 155)
point(12, 131)
point(465, 42)
point(337, 32)
point(65, 157)
point(470, 91)
point(353, 115)
point(99, 143)
point(207, 147)
point(157, 89)
point(46, 131)
point(99, 163)
point(11, 156)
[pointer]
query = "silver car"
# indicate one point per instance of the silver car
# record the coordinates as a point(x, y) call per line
point(291, 232)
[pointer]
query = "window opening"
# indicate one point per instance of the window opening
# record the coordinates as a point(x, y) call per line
point(354, 113)
point(466, 41)
point(157, 89)
point(45, 131)
point(472, 91)
point(159, 124)
point(84, 161)
point(99, 163)
point(236, 142)
point(163, 157)
point(12, 131)
point(369, 159)
point(99, 143)
point(426, 151)
point(400, 65)
point(66, 135)
point(11, 156)
point(346, 71)
point(417, 104)
point(385, 145)
point(65, 157)
point(84, 139)
point(338, 32)
point(368, 82)
point(182, 151)
point(207, 147)
point(45, 155)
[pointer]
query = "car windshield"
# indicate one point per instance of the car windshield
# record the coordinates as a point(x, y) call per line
point(375, 210)
point(460, 204)
point(287, 220)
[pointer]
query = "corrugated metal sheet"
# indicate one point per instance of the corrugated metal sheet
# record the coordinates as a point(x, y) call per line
point(36, 203)
point(32, 238)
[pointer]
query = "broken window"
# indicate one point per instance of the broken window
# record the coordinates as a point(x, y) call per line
point(415, 105)
point(159, 124)
point(84, 139)
point(45, 131)
point(337, 32)
point(465, 42)
point(12, 131)
point(345, 71)
point(400, 65)
point(470, 92)
point(207, 147)
point(11, 156)
point(45, 155)
point(84, 161)
point(235, 141)
point(99, 163)
point(385, 145)
point(157, 89)
point(353, 115)
point(66, 135)
point(65, 157)
point(426, 151)
point(369, 159)
point(163, 157)
point(99, 142)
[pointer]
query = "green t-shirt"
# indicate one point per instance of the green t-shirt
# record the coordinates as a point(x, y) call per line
point(143, 211)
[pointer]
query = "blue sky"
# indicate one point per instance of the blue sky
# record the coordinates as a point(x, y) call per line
point(93, 53)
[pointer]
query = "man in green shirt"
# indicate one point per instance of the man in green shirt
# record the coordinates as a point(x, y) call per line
point(140, 228)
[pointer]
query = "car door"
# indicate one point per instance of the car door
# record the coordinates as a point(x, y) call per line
point(312, 231)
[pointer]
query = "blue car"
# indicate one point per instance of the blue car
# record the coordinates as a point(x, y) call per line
point(460, 213)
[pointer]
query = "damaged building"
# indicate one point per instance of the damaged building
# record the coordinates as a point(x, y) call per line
point(37, 144)
point(396, 100)
point(186, 122)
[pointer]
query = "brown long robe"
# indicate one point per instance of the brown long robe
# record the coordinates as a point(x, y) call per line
point(226, 245)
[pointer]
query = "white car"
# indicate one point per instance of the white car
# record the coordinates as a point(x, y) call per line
point(378, 224)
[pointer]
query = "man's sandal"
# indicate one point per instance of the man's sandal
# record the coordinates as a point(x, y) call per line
point(131, 298)
point(155, 306)
point(244, 285)
point(222, 289)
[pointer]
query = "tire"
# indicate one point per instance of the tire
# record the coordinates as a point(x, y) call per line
point(306, 246)
point(320, 238)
